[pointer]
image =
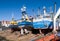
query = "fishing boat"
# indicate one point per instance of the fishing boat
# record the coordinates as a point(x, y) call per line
point(45, 21)
point(24, 20)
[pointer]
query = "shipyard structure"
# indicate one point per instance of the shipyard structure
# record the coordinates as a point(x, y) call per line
point(46, 21)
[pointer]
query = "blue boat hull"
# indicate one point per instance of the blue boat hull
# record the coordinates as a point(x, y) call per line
point(37, 25)
point(42, 24)
point(25, 23)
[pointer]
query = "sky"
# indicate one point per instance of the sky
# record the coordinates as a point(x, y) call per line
point(7, 7)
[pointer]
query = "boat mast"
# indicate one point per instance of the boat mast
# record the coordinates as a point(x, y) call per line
point(34, 14)
point(51, 12)
point(38, 12)
point(23, 10)
point(12, 17)
point(24, 14)
point(44, 8)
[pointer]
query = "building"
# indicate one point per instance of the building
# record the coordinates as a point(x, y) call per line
point(5, 23)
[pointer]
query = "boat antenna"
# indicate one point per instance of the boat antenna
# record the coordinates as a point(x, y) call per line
point(12, 16)
point(55, 8)
point(51, 10)
point(33, 13)
point(38, 11)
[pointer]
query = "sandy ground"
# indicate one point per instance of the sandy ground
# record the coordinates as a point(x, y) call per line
point(8, 36)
